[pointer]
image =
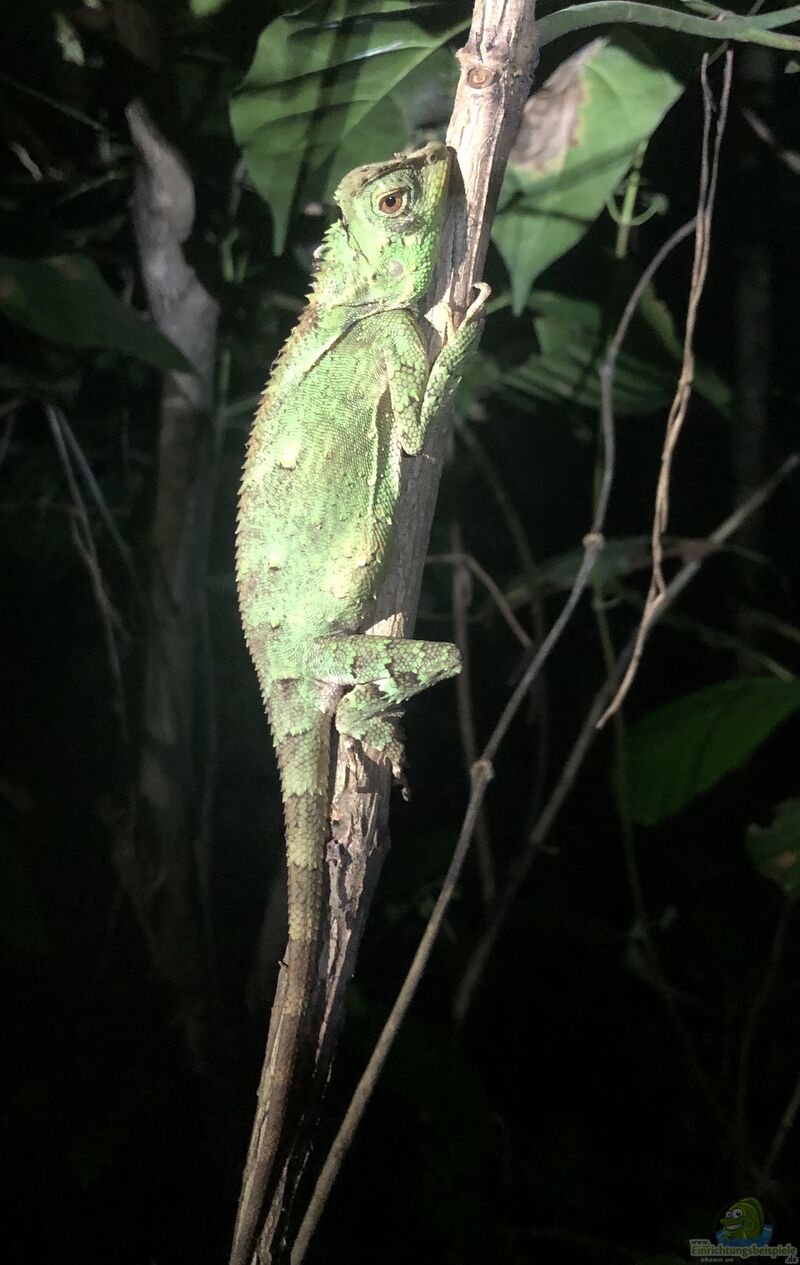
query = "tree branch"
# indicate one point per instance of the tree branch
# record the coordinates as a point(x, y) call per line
point(496, 73)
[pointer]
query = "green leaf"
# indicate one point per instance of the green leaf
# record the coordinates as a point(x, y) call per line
point(423, 98)
point(680, 750)
point(66, 300)
point(566, 369)
point(319, 96)
point(68, 41)
point(573, 335)
point(654, 324)
point(775, 850)
point(204, 8)
point(619, 557)
point(580, 134)
point(752, 29)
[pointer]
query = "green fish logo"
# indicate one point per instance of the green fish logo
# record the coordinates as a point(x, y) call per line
point(743, 1220)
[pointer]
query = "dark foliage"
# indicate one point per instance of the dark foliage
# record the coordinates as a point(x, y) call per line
point(613, 1084)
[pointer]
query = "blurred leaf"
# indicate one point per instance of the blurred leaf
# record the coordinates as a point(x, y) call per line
point(318, 97)
point(751, 29)
point(68, 40)
point(203, 8)
point(424, 96)
point(617, 558)
point(573, 336)
point(775, 850)
point(66, 300)
point(680, 750)
point(579, 135)
point(423, 99)
point(565, 369)
point(205, 94)
point(653, 329)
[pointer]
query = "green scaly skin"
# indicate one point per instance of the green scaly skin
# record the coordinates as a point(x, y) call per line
point(350, 393)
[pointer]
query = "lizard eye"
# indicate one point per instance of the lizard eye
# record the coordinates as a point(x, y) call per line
point(392, 203)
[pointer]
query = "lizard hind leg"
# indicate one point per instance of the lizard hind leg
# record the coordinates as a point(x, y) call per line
point(384, 673)
point(363, 716)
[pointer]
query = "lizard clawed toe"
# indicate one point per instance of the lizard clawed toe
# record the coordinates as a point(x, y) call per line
point(484, 294)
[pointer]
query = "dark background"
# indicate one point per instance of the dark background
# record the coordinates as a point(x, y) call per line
point(584, 1110)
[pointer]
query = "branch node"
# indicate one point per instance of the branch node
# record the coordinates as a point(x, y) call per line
point(482, 771)
point(480, 76)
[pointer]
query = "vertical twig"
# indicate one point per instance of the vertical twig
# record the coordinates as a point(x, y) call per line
point(493, 590)
point(521, 866)
point(85, 544)
point(496, 72)
point(705, 206)
point(461, 587)
point(540, 712)
point(753, 301)
point(749, 1029)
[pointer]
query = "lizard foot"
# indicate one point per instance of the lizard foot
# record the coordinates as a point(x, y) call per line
point(380, 739)
point(484, 294)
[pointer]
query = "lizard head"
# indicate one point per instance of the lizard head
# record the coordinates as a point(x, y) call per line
point(384, 248)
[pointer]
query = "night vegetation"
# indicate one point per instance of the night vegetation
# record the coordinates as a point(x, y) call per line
point(605, 1048)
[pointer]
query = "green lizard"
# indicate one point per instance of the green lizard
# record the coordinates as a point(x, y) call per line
point(350, 393)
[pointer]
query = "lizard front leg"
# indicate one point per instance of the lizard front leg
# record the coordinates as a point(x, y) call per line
point(459, 345)
point(384, 672)
point(418, 393)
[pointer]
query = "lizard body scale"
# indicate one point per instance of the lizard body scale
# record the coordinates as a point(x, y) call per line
point(349, 394)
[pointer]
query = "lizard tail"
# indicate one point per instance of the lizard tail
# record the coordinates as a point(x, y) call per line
point(302, 743)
